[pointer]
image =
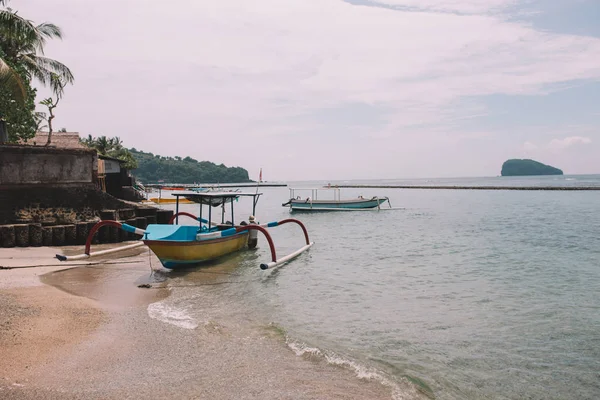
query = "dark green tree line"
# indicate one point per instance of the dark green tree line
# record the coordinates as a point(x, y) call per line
point(154, 168)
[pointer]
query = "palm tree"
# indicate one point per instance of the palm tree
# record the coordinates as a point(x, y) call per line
point(22, 59)
point(102, 145)
point(115, 143)
point(22, 43)
point(88, 141)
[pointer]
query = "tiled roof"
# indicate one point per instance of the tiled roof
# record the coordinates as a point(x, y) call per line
point(66, 140)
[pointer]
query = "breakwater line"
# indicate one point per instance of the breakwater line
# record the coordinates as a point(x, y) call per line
point(446, 187)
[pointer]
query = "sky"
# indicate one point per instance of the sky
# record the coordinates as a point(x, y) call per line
point(336, 89)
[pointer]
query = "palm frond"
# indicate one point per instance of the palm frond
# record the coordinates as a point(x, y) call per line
point(57, 68)
point(49, 31)
point(49, 72)
point(14, 27)
point(42, 32)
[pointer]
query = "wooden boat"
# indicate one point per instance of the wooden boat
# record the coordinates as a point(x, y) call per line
point(178, 245)
point(313, 203)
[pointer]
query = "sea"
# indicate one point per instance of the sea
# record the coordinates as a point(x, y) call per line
point(459, 294)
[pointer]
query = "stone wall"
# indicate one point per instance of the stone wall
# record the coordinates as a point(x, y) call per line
point(48, 196)
point(27, 165)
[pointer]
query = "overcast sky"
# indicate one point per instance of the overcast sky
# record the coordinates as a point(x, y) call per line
point(336, 89)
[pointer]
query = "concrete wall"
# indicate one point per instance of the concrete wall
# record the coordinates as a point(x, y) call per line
point(25, 165)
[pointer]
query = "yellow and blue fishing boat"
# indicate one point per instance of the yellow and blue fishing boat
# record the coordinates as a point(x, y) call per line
point(178, 245)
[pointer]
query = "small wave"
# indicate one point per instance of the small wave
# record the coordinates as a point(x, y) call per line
point(361, 371)
point(171, 315)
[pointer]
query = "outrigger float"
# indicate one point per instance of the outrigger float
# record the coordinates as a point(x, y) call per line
point(183, 245)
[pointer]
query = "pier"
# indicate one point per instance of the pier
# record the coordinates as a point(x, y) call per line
point(541, 188)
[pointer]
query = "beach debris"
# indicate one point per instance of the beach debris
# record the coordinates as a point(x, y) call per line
point(145, 286)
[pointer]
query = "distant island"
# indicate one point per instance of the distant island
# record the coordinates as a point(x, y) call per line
point(153, 168)
point(517, 167)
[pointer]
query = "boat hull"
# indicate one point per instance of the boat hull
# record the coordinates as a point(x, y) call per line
point(173, 254)
point(331, 205)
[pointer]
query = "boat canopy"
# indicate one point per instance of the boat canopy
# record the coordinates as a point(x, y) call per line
point(215, 199)
point(315, 192)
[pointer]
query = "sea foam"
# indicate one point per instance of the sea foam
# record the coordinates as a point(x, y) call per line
point(361, 371)
point(171, 315)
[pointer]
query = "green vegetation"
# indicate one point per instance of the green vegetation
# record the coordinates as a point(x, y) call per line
point(112, 147)
point(153, 168)
point(21, 60)
point(150, 168)
point(528, 167)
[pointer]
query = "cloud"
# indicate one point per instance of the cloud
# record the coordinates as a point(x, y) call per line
point(561, 144)
point(457, 6)
point(229, 74)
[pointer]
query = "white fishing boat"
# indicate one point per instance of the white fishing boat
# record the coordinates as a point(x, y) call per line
point(300, 201)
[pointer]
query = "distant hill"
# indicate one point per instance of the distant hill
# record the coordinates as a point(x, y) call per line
point(527, 167)
point(153, 168)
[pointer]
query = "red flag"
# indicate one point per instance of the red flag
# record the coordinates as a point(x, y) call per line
point(260, 176)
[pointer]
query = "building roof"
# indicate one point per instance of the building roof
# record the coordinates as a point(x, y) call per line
point(103, 157)
point(65, 140)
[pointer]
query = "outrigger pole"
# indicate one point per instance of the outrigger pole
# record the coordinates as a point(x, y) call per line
point(88, 243)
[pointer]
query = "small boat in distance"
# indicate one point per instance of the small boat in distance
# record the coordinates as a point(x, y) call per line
point(313, 203)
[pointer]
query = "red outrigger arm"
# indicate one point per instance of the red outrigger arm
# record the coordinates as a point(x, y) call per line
point(274, 261)
point(88, 243)
point(182, 213)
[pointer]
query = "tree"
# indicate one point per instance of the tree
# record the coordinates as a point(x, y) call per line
point(10, 79)
point(40, 118)
point(23, 43)
point(102, 144)
point(22, 60)
point(18, 114)
point(112, 147)
point(51, 104)
point(154, 168)
point(116, 143)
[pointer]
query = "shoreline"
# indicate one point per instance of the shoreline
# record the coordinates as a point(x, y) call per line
point(103, 344)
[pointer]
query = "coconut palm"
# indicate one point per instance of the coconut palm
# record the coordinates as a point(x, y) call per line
point(22, 59)
point(9, 77)
point(102, 144)
point(22, 43)
point(116, 143)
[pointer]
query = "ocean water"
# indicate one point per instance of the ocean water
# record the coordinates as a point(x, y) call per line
point(461, 294)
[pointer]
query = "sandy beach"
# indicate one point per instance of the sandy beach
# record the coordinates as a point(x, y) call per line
point(85, 332)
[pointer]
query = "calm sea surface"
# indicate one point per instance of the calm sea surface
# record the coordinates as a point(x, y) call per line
point(464, 294)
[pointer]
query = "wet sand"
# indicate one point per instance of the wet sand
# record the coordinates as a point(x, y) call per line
point(85, 333)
